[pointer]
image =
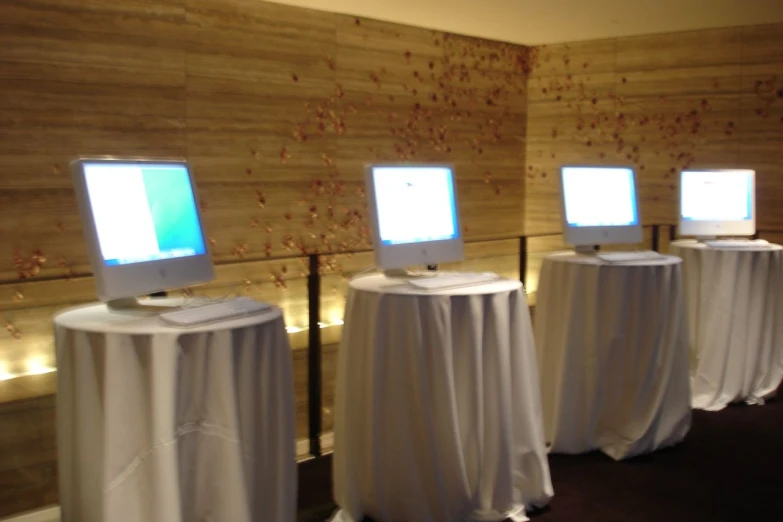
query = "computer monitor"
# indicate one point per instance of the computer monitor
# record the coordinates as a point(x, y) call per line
point(142, 226)
point(717, 203)
point(414, 216)
point(599, 206)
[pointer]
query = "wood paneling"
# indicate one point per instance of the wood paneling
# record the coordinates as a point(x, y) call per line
point(680, 50)
point(28, 467)
point(658, 103)
point(277, 109)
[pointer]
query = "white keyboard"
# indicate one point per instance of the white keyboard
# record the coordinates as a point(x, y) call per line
point(447, 280)
point(735, 243)
point(214, 312)
point(628, 257)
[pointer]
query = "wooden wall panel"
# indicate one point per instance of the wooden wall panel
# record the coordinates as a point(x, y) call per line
point(680, 50)
point(277, 109)
point(26, 308)
point(163, 18)
point(28, 468)
point(658, 103)
point(427, 96)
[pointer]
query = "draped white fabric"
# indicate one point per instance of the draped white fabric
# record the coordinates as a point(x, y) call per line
point(735, 311)
point(162, 425)
point(437, 413)
point(613, 355)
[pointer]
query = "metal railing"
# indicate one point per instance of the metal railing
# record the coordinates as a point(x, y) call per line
point(314, 380)
point(314, 280)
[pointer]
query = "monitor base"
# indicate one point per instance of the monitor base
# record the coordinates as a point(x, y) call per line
point(585, 250)
point(403, 273)
point(702, 239)
point(133, 305)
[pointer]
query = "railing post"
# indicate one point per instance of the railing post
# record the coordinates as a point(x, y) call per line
point(314, 356)
point(656, 238)
point(523, 260)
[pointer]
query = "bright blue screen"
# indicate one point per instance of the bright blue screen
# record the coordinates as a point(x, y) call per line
point(415, 204)
point(143, 212)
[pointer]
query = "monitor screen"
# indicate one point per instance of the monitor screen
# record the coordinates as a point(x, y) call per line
point(142, 227)
point(725, 195)
point(143, 211)
point(599, 197)
point(414, 215)
point(415, 204)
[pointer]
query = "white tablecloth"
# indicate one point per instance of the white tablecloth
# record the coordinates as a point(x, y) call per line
point(735, 310)
point(156, 424)
point(437, 413)
point(613, 355)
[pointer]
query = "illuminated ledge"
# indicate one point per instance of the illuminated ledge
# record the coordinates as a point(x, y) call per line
point(303, 446)
point(28, 386)
point(35, 366)
point(32, 366)
point(297, 329)
point(40, 371)
point(47, 514)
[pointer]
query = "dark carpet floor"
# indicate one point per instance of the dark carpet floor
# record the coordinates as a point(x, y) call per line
point(730, 468)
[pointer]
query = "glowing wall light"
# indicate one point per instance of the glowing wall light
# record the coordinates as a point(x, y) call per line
point(5, 371)
point(32, 366)
point(37, 366)
point(297, 329)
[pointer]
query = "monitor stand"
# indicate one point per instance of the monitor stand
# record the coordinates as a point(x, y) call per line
point(132, 305)
point(702, 239)
point(404, 273)
point(585, 250)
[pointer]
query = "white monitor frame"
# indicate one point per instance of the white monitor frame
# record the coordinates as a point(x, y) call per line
point(119, 285)
point(600, 235)
point(710, 228)
point(396, 258)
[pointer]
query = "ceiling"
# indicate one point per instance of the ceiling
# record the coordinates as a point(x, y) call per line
point(536, 22)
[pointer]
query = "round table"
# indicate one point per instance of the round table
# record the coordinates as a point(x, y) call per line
point(735, 312)
point(437, 410)
point(613, 355)
point(166, 424)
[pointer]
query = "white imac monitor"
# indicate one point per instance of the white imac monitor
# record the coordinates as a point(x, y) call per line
point(142, 226)
point(414, 216)
point(599, 206)
point(717, 203)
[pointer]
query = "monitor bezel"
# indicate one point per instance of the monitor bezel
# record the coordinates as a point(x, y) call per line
point(600, 235)
point(712, 228)
point(117, 282)
point(401, 256)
